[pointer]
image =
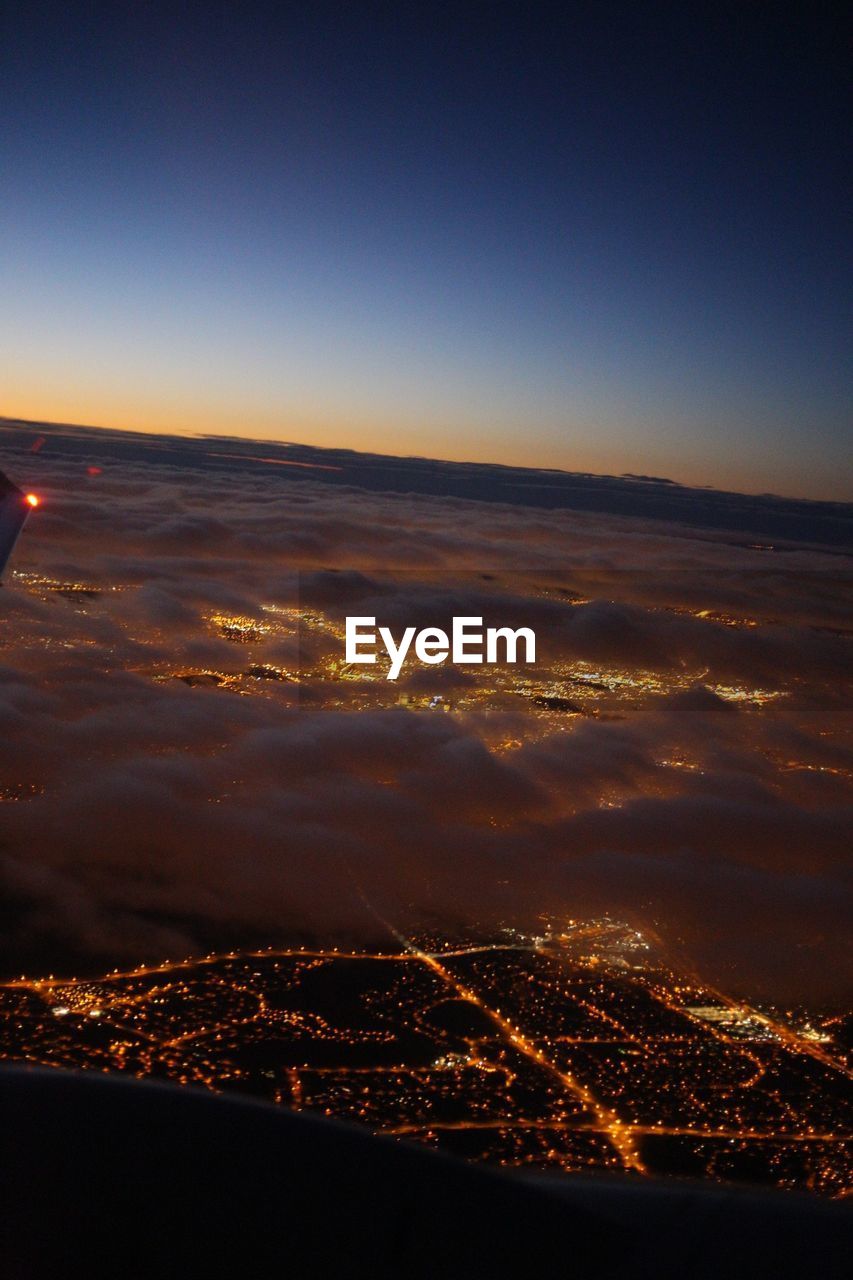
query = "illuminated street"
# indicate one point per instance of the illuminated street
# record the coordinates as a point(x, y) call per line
point(514, 1052)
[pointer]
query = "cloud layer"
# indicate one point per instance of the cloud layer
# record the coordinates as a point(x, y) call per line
point(145, 816)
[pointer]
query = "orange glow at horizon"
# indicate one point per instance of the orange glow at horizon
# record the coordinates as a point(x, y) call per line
point(32, 499)
point(581, 446)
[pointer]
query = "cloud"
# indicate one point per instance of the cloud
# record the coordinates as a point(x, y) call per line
point(143, 817)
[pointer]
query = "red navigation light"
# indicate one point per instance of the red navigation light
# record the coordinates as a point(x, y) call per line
point(32, 499)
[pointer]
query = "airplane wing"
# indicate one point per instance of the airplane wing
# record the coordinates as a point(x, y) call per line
point(139, 1179)
point(15, 506)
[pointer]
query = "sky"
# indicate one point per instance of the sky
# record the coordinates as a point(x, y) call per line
point(600, 237)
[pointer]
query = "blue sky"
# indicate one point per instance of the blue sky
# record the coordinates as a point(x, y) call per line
point(589, 238)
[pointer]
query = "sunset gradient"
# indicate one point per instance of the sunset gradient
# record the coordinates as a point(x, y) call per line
point(605, 246)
